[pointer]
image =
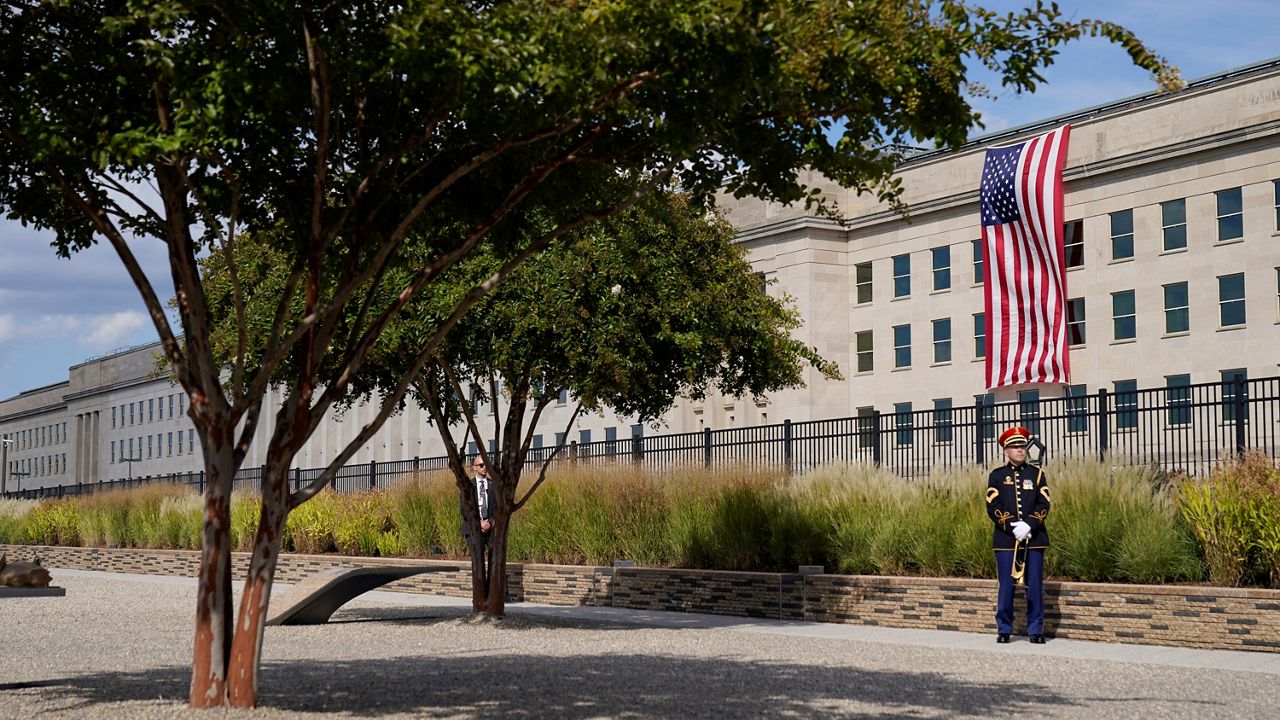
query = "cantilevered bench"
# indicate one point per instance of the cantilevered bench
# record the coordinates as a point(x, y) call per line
point(315, 599)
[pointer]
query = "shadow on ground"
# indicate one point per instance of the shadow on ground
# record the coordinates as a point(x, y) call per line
point(581, 686)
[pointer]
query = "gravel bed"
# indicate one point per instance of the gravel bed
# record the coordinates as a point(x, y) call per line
point(120, 647)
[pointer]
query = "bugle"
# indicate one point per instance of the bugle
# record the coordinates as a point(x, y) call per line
point(1018, 571)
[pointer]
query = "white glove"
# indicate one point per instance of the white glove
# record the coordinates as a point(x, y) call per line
point(1021, 530)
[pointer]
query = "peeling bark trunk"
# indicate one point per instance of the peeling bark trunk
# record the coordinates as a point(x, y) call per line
point(213, 590)
point(496, 592)
point(246, 648)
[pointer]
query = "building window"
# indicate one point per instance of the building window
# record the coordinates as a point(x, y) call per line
point(130, 413)
point(160, 408)
point(1275, 193)
point(1178, 398)
point(611, 437)
point(1173, 224)
point(1077, 408)
point(1075, 321)
point(1126, 404)
point(866, 426)
point(1122, 235)
point(170, 453)
point(1177, 317)
point(537, 442)
point(584, 437)
point(179, 442)
point(113, 417)
point(942, 340)
point(979, 257)
point(637, 431)
point(1123, 318)
point(191, 441)
point(862, 278)
point(1230, 215)
point(1073, 243)
point(1235, 404)
point(1029, 410)
point(151, 410)
point(942, 420)
point(150, 446)
point(473, 449)
point(941, 268)
point(170, 406)
point(901, 346)
point(1231, 300)
point(559, 439)
point(865, 347)
point(901, 275)
point(903, 423)
point(563, 397)
point(979, 335)
point(113, 452)
point(130, 449)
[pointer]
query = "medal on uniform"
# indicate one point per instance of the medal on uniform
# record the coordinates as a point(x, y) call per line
point(1026, 484)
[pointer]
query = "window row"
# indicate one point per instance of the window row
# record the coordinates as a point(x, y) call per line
point(150, 410)
point(38, 466)
point(1173, 232)
point(584, 438)
point(1174, 407)
point(41, 436)
point(156, 446)
point(1124, 323)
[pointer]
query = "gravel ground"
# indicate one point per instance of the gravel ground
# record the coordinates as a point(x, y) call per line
point(119, 646)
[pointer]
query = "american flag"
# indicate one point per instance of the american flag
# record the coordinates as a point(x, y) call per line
point(1021, 202)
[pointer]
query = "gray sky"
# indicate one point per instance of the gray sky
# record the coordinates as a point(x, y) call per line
point(56, 312)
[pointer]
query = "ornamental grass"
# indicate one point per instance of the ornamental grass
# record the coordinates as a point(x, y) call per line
point(1117, 524)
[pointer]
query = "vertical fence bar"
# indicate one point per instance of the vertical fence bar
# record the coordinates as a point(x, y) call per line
point(1104, 423)
point(787, 453)
point(1241, 410)
point(876, 437)
point(979, 447)
point(706, 446)
point(373, 474)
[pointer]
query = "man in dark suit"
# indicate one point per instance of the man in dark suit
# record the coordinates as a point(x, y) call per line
point(1018, 504)
point(485, 499)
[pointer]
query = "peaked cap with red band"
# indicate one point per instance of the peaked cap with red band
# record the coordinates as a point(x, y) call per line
point(1015, 437)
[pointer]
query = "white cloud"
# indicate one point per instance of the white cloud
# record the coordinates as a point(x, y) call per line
point(110, 331)
point(6, 327)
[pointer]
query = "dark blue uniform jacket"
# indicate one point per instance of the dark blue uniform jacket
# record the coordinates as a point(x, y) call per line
point(1018, 493)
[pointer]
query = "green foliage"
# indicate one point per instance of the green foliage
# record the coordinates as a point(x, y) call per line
point(310, 527)
point(1233, 516)
point(246, 509)
point(1127, 524)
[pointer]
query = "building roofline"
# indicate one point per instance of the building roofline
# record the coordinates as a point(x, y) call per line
point(1090, 113)
point(115, 353)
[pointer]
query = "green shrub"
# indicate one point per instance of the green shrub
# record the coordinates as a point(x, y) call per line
point(51, 522)
point(360, 521)
point(246, 509)
point(1220, 511)
point(309, 528)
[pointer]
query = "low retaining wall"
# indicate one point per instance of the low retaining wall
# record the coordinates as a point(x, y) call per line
point(1189, 616)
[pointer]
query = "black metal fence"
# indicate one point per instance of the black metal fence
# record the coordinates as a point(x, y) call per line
point(1186, 429)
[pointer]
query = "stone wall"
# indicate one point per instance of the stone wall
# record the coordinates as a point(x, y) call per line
point(1188, 616)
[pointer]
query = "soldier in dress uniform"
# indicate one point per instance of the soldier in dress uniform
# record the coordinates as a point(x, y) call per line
point(1018, 504)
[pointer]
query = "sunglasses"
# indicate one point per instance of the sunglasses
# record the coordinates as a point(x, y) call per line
point(478, 465)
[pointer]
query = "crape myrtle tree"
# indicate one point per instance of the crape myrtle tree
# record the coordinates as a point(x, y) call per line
point(650, 304)
point(627, 315)
point(371, 132)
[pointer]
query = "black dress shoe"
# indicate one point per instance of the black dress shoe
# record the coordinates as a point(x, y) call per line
point(1004, 638)
point(1037, 639)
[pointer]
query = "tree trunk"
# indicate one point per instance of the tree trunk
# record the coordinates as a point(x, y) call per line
point(479, 569)
point(496, 593)
point(246, 648)
point(213, 589)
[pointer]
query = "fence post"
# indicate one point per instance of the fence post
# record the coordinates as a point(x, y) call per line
point(787, 450)
point(573, 451)
point(297, 479)
point(1104, 423)
point(637, 448)
point(373, 473)
point(979, 445)
point(706, 446)
point(875, 437)
point(1241, 404)
point(415, 463)
point(200, 481)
